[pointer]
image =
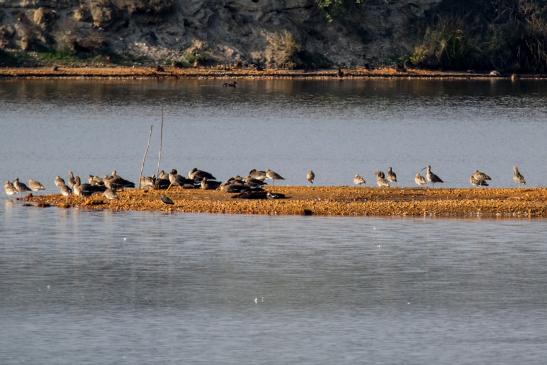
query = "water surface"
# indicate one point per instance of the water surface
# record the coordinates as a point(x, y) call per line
point(144, 288)
point(337, 128)
point(80, 287)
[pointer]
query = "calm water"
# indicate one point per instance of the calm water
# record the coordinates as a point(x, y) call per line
point(336, 128)
point(82, 287)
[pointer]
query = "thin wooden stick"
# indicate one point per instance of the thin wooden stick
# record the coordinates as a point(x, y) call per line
point(161, 143)
point(145, 154)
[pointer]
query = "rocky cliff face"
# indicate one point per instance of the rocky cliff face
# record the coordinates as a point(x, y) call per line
point(511, 34)
point(270, 32)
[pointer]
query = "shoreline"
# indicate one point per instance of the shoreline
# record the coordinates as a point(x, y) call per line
point(326, 201)
point(120, 72)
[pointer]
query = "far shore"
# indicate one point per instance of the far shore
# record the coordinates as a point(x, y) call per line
point(325, 201)
point(141, 72)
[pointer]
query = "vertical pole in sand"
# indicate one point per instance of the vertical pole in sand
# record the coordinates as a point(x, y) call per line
point(161, 143)
point(145, 154)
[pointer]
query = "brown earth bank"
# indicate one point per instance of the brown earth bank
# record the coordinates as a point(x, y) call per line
point(326, 201)
point(119, 72)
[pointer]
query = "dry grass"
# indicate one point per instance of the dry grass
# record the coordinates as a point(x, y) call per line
point(329, 201)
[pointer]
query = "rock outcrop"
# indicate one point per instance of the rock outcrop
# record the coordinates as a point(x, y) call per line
point(270, 33)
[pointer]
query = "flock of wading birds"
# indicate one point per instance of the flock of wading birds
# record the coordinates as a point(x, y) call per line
point(249, 187)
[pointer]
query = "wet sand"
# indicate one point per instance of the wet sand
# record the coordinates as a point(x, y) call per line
point(119, 72)
point(327, 201)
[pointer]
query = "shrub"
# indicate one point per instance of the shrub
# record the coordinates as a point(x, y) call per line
point(281, 49)
point(446, 46)
point(508, 35)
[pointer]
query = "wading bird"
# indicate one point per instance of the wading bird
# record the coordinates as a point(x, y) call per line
point(272, 175)
point(359, 180)
point(381, 180)
point(431, 177)
point(476, 181)
point(166, 200)
point(35, 185)
point(419, 179)
point(391, 176)
point(310, 176)
point(20, 187)
point(517, 176)
point(9, 189)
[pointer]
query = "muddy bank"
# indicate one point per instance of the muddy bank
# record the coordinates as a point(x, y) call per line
point(228, 73)
point(327, 201)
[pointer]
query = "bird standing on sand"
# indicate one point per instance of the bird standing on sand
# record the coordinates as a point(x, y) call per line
point(479, 175)
point(95, 180)
point(110, 194)
point(59, 181)
point(146, 182)
point(257, 174)
point(177, 180)
point(207, 184)
point(198, 175)
point(479, 178)
point(35, 185)
point(71, 179)
point(9, 189)
point(20, 187)
point(115, 182)
point(359, 180)
point(517, 176)
point(419, 179)
point(272, 175)
point(431, 177)
point(65, 190)
point(77, 189)
point(381, 180)
point(163, 175)
point(391, 176)
point(477, 181)
point(166, 200)
point(310, 176)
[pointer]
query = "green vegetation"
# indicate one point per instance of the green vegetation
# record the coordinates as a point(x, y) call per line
point(507, 35)
point(8, 60)
point(65, 58)
point(336, 8)
point(446, 46)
